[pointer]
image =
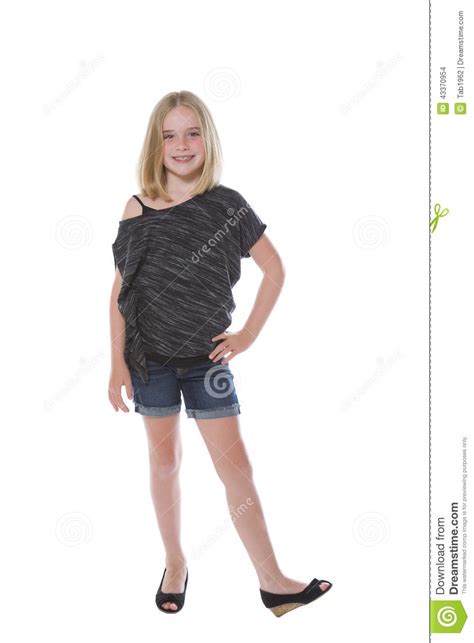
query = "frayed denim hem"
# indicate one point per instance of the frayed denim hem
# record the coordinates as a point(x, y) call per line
point(157, 411)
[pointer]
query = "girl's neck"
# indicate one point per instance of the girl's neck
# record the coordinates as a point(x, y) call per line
point(179, 188)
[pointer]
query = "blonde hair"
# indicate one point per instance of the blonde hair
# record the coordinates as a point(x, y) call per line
point(151, 172)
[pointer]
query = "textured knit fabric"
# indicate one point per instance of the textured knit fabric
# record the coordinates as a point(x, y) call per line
point(178, 268)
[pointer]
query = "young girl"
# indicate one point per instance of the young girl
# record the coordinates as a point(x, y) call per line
point(177, 257)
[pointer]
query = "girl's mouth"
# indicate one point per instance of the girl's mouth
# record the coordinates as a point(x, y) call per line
point(183, 159)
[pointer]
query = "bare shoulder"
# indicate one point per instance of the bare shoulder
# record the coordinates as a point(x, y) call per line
point(132, 209)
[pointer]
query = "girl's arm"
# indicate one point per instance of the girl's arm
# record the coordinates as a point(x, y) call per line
point(266, 256)
point(117, 323)
point(119, 375)
point(269, 261)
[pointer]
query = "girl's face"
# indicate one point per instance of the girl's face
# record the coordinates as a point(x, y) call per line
point(183, 144)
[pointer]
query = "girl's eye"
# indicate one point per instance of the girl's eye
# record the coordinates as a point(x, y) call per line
point(170, 135)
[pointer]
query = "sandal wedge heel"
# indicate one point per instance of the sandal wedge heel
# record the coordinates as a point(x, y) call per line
point(280, 604)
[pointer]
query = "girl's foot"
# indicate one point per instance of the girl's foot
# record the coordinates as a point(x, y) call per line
point(173, 581)
point(285, 585)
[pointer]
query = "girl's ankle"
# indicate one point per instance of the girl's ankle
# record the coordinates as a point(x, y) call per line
point(273, 579)
point(175, 560)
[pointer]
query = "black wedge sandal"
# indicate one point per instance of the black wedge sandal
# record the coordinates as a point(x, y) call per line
point(279, 604)
point(170, 597)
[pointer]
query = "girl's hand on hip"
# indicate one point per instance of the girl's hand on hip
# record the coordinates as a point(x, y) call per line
point(233, 343)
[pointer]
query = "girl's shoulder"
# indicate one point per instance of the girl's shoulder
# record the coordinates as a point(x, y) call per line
point(132, 209)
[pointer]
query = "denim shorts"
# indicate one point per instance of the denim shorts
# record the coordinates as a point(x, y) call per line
point(208, 390)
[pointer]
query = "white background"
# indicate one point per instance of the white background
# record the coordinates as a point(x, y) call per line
point(322, 111)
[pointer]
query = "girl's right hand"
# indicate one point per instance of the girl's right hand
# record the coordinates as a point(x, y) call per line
point(120, 376)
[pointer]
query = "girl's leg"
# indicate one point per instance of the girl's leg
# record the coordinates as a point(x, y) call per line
point(165, 453)
point(225, 445)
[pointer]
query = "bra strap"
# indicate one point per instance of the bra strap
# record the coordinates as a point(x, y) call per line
point(139, 201)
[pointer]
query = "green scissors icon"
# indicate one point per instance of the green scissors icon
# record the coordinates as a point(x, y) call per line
point(439, 214)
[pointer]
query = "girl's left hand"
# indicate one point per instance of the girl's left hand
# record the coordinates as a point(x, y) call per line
point(234, 343)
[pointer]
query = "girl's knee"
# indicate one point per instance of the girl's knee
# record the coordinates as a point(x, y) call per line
point(164, 464)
